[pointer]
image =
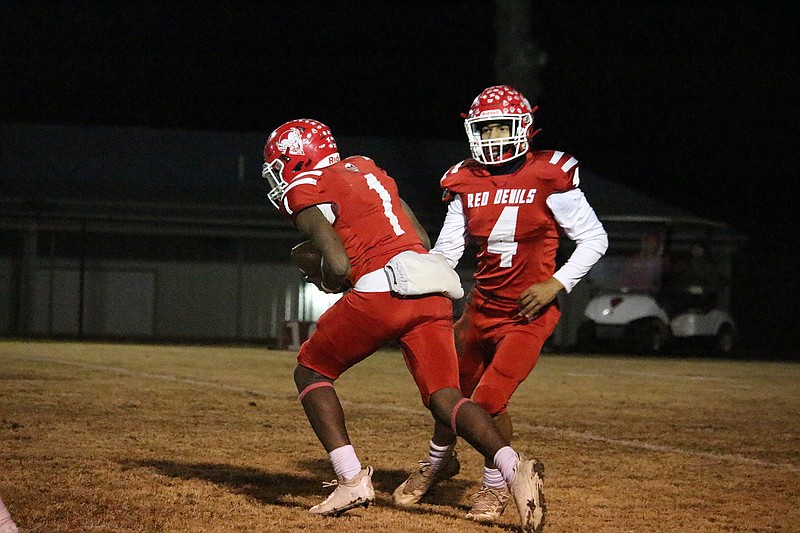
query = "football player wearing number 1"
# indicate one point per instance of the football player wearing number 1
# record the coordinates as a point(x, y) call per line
point(350, 210)
point(515, 203)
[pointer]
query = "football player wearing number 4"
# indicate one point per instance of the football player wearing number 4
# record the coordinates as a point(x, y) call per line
point(351, 212)
point(515, 203)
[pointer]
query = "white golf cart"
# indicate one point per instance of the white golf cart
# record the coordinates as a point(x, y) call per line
point(660, 293)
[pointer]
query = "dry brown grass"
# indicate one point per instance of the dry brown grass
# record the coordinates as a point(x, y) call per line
point(102, 437)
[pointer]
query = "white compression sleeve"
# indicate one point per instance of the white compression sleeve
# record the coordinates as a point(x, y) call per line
point(580, 223)
point(451, 240)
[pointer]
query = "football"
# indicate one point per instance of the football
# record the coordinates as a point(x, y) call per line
point(308, 259)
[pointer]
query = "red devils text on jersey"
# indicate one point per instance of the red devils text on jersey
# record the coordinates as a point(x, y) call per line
point(508, 217)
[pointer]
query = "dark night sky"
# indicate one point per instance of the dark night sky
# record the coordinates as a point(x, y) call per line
point(694, 102)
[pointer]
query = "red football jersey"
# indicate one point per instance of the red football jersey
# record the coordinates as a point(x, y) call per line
point(509, 218)
point(369, 217)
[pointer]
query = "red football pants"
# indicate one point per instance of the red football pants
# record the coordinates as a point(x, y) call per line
point(360, 323)
point(498, 350)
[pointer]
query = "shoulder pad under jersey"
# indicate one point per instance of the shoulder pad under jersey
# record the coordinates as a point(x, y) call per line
point(560, 168)
point(467, 168)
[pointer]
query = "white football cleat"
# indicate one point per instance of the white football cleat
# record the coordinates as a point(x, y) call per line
point(420, 482)
point(527, 488)
point(357, 492)
point(488, 504)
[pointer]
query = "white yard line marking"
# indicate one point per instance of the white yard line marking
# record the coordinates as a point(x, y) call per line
point(684, 377)
point(585, 435)
point(162, 377)
point(677, 377)
point(576, 435)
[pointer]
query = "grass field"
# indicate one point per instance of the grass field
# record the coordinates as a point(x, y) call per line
point(111, 437)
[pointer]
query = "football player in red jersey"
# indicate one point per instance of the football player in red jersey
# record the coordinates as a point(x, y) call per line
point(515, 203)
point(351, 212)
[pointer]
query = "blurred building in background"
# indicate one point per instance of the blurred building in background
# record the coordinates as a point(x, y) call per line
point(153, 235)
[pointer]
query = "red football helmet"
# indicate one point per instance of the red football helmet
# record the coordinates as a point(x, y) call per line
point(293, 148)
point(506, 105)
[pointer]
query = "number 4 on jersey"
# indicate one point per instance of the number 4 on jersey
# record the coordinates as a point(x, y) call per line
point(501, 239)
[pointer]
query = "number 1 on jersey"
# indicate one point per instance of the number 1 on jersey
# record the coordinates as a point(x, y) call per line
point(501, 239)
point(386, 200)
